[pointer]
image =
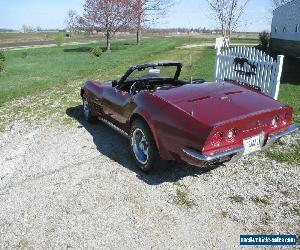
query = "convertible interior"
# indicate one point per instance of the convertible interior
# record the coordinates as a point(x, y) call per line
point(135, 86)
point(152, 78)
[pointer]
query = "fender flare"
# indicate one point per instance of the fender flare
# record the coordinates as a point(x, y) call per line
point(144, 116)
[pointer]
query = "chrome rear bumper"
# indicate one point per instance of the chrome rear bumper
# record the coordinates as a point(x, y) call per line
point(273, 138)
point(236, 153)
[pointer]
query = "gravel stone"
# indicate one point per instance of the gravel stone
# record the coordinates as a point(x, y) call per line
point(76, 186)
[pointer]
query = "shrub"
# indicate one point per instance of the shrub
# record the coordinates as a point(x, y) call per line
point(1, 66)
point(2, 60)
point(59, 39)
point(2, 56)
point(24, 54)
point(264, 38)
point(97, 51)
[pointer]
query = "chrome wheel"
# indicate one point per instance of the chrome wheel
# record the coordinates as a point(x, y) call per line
point(140, 146)
point(86, 108)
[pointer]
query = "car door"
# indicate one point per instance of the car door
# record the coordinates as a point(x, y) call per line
point(115, 104)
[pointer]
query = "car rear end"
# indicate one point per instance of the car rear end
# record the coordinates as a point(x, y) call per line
point(235, 120)
point(229, 140)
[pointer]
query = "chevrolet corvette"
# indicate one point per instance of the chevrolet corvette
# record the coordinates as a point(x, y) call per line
point(195, 122)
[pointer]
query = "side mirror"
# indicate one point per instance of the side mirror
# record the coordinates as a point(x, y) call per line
point(114, 83)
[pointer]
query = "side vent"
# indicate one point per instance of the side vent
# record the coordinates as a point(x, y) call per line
point(98, 108)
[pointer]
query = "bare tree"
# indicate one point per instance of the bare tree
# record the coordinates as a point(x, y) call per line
point(109, 16)
point(72, 21)
point(228, 14)
point(39, 28)
point(27, 28)
point(147, 11)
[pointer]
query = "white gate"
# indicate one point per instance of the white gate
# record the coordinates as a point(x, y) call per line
point(251, 66)
point(222, 42)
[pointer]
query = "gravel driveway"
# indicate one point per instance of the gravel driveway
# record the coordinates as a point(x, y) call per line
point(76, 186)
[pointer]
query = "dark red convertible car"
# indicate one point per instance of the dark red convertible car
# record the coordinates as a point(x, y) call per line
point(195, 122)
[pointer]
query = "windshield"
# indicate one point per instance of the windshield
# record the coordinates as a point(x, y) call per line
point(152, 73)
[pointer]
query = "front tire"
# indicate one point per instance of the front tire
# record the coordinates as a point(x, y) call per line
point(87, 110)
point(143, 146)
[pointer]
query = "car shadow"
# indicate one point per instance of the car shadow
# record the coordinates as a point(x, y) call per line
point(290, 70)
point(84, 49)
point(79, 49)
point(115, 146)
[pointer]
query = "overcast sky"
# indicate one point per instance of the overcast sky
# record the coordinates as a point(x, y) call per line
point(186, 13)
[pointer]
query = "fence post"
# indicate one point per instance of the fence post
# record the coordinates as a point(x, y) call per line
point(279, 65)
point(217, 62)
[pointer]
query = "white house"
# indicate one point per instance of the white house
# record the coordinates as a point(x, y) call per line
point(285, 30)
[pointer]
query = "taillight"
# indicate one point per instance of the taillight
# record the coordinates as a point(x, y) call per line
point(216, 138)
point(286, 118)
point(231, 134)
point(275, 121)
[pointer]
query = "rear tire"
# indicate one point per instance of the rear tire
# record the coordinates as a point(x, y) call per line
point(143, 146)
point(87, 113)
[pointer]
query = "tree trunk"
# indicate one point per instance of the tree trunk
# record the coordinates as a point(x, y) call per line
point(108, 45)
point(138, 37)
point(222, 27)
point(138, 22)
point(108, 42)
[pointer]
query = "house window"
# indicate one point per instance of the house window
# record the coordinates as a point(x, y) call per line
point(297, 28)
point(284, 29)
point(275, 29)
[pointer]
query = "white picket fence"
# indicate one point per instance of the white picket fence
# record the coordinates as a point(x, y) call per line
point(251, 66)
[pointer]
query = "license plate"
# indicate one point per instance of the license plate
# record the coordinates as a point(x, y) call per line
point(253, 144)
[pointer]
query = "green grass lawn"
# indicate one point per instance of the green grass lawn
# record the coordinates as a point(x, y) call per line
point(49, 67)
point(62, 69)
point(45, 68)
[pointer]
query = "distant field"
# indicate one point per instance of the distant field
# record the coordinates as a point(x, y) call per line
point(15, 39)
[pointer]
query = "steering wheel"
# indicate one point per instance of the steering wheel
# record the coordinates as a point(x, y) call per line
point(132, 90)
point(138, 86)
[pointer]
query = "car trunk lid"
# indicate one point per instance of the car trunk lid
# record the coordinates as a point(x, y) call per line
point(217, 103)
